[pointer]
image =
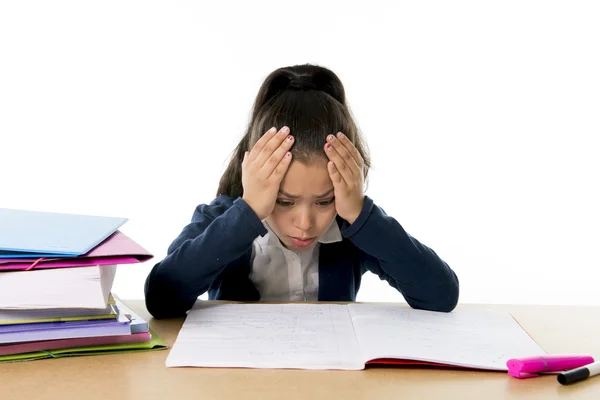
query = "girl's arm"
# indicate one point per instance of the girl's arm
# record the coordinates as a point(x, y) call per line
point(416, 271)
point(218, 234)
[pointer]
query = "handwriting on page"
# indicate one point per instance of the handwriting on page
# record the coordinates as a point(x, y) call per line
point(267, 336)
point(483, 339)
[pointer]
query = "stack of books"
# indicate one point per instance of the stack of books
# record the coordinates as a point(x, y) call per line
point(56, 278)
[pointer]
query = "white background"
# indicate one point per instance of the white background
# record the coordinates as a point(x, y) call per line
point(482, 119)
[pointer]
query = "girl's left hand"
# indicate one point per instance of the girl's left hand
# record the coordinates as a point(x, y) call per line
point(346, 172)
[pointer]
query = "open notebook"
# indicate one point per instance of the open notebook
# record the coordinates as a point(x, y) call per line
point(348, 337)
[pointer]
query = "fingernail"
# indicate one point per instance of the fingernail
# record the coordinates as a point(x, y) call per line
point(272, 130)
point(288, 154)
point(340, 135)
point(289, 138)
point(284, 131)
point(331, 138)
point(328, 146)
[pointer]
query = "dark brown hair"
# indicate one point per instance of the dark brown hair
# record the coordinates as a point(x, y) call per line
point(311, 101)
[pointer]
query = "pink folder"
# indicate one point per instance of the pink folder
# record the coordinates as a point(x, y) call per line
point(116, 249)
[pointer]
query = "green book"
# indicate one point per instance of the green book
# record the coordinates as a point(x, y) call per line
point(156, 343)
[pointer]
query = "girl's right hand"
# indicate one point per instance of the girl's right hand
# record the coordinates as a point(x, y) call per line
point(263, 169)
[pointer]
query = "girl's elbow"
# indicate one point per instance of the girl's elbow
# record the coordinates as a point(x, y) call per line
point(439, 299)
point(448, 298)
point(449, 303)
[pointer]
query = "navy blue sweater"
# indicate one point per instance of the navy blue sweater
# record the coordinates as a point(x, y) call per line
point(213, 253)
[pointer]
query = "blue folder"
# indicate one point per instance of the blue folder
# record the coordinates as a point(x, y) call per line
point(26, 233)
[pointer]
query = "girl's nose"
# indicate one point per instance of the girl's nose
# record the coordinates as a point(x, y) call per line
point(304, 219)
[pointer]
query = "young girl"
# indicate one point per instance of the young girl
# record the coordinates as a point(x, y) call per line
point(291, 221)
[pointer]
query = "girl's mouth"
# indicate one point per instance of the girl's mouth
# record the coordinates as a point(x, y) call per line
point(297, 242)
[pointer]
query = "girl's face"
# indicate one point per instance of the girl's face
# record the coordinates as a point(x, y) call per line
point(305, 205)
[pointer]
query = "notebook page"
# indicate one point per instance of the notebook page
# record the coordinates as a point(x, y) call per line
point(471, 338)
point(107, 279)
point(299, 336)
point(84, 287)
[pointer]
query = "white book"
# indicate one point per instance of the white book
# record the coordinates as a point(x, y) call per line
point(36, 316)
point(81, 287)
point(346, 337)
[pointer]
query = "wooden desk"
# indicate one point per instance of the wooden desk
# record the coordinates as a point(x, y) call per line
point(557, 329)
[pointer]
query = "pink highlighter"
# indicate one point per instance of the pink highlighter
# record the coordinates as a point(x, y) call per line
point(529, 367)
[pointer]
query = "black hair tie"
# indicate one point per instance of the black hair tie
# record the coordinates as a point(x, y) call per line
point(301, 84)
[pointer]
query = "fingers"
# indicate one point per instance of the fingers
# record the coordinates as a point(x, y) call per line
point(334, 175)
point(260, 144)
point(351, 148)
point(271, 145)
point(344, 162)
point(345, 149)
point(281, 168)
point(279, 155)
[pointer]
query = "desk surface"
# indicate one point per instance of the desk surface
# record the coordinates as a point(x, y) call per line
point(557, 329)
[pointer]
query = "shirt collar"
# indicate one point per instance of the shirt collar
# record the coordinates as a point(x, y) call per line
point(332, 235)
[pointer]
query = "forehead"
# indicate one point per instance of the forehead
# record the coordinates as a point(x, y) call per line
point(307, 180)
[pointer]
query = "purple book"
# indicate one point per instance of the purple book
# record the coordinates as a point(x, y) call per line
point(64, 330)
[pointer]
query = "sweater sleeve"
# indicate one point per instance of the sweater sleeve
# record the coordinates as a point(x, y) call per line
point(416, 271)
point(216, 236)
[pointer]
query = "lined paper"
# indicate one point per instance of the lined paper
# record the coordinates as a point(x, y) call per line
point(327, 336)
point(304, 336)
point(474, 338)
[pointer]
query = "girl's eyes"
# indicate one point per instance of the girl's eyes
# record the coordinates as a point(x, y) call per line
point(284, 203)
point(325, 203)
point(287, 203)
